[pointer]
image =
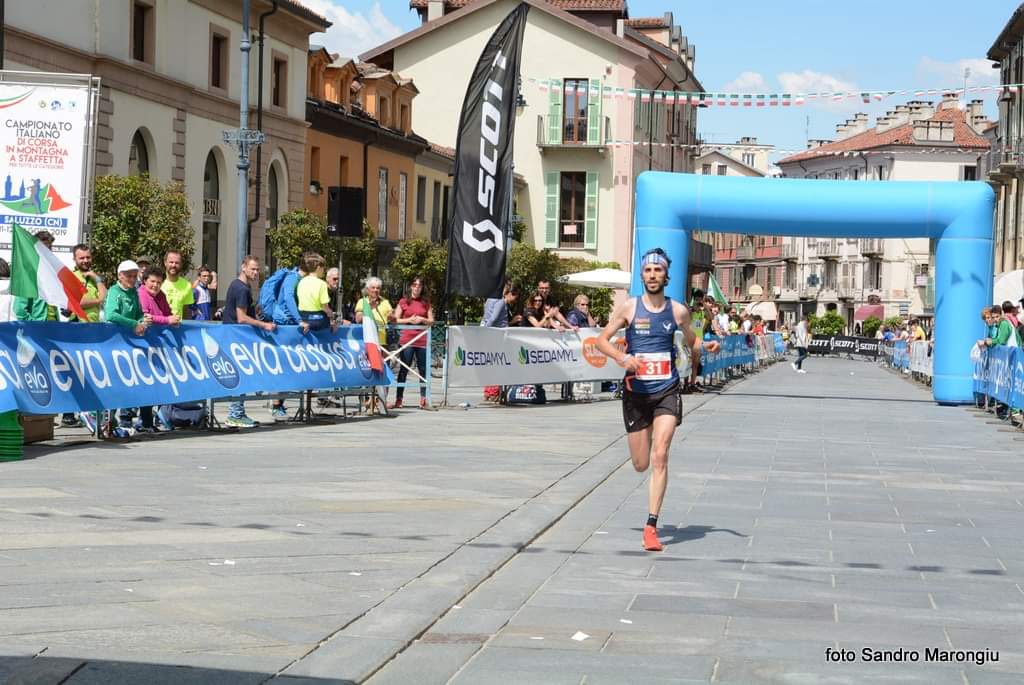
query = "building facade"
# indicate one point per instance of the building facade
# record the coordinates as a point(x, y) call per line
point(360, 136)
point(918, 141)
point(578, 185)
point(170, 85)
point(1003, 165)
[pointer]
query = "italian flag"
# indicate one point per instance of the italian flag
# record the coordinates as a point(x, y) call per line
point(37, 273)
point(370, 338)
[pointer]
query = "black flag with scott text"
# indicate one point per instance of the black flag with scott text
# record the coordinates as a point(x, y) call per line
point(478, 231)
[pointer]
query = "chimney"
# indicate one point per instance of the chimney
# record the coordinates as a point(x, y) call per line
point(975, 108)
point(921, 110)
point(842, 130)
point(435, 9)
point(815, 143)
point(950, 100)
point(747, 140)
point(858, 124)
point(902, 114)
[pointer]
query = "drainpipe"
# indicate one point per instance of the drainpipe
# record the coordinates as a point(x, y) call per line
point(241, 242)
point(650, 135)
point(366, 179)
point(259, 127)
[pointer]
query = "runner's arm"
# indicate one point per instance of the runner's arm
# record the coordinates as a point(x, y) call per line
point(618, 319)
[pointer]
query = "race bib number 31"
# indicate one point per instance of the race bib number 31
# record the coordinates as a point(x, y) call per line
point(654, 366)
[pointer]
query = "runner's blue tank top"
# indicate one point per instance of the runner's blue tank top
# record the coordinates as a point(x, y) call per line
point(650, 337)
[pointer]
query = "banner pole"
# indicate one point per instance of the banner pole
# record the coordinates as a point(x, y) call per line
point(444, 368)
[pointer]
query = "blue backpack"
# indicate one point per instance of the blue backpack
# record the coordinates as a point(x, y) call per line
point(270, 291)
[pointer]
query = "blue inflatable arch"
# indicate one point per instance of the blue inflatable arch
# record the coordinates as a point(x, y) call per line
point(958, 215)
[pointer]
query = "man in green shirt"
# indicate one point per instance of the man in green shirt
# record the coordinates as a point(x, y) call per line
point(177, 289)
point(95, 290)
point(122, 306)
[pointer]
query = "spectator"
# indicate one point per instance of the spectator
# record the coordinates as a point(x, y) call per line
point(580, 316)
point(95, 290)
point(383, 313)
point(143, 263)
point(122, 308)
point(535, 315)
point(176, 287)
point(1010, 314)
point(6, 299)
point(746, 323)
point(333, 287)
point(33, 308)
point(496, 309)
point(348, 309)
point(758, 325)
point(734, 324)
point(414, 309)
point(551, 308)
point(1005, 333)
point(312, 295)
point(802, 342)
point(721, 322)
point(240, 309)
point(153, 299)
point(284, 306)
point(204, 294)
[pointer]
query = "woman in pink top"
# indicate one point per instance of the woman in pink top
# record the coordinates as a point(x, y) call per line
point(415, 309)
point(152, 298)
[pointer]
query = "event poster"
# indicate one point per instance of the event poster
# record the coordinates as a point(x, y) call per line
point(43, 133)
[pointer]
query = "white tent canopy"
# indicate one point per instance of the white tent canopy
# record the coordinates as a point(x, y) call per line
point(765, 309)
point(1008, 286)
point(599, 278)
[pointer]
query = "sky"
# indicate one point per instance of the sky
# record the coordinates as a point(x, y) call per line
point(777, 46)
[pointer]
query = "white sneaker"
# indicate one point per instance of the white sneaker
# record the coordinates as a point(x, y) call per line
point(793, 364)
point(800, 371)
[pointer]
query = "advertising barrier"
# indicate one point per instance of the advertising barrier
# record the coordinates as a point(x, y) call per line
point(999, 374)
point(49, 368)
point(844, 344)
point(921, 358)
point(480, 356)
point(736, 350)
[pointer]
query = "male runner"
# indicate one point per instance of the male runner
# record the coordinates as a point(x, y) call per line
point(651, 404)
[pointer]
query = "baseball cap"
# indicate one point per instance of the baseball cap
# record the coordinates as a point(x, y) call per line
point(127, 265)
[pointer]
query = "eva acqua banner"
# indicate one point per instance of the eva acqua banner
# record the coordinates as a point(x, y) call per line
point(50, 368)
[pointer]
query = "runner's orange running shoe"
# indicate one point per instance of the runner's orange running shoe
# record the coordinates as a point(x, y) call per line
point(651, 542)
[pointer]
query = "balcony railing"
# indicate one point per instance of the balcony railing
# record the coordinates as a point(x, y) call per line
point(570, 234)
point(745, 252)
point(572, 133)
point(808, 291)
point(791, 251)
point(827, 248)
point(846, 289)
point(1002, 159)
point(872, 246)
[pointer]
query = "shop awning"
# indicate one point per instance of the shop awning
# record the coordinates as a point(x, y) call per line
point(766, 310)
point(866, 311)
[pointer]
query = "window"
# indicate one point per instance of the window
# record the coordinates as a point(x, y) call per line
point(856, 174)
point(970, 173)
point(705, 169)
point(211, 212)
point(142, 32)
point(444, 205)
point(343, 170)
point(279, 82)
point(874, 275)
point(218, 58)
point(314, 166)
point(383, 111)
point(572, 208)
point(382, 203)
point(436, 230)
point(880, 172)
point(791, 276)
point(138, 156)
point(574, 110)
point(748, 158)
point(404, 121)
point(403, 192)
point(722, 170)
point(421, 199)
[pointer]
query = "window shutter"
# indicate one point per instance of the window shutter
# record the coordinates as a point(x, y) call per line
point(595, 122)
point(590, 230)
point(555, 113)
point(551, 180)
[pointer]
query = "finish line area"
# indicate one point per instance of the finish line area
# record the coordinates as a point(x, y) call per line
point(444, 544)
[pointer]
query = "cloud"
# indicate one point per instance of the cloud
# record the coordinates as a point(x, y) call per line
point(747, 82)
point(352, 32)
point(808, 81)
point(937, 74)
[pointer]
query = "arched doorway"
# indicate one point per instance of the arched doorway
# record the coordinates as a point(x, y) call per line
point(138, 155)
point(211, 212)
point(273, 209)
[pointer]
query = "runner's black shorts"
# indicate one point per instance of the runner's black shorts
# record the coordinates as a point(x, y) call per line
point(638, 411)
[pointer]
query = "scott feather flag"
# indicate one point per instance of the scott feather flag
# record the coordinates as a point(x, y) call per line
point(478, 232)
point(37, 273)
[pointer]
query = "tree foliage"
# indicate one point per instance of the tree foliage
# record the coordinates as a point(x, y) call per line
point(300, 231)
point(870, 326)
point(830, 323)
point(420, 257)
point(136, 216)
point(894, 323)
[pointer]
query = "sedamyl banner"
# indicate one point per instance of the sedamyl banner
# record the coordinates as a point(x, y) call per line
point(49, 368)
point(43, 133)
point(480, 356)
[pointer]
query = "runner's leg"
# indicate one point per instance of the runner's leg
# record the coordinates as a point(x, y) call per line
point(664, 429)
point(640, 448)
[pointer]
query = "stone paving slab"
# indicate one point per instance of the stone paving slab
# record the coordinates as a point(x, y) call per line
point(855, 513)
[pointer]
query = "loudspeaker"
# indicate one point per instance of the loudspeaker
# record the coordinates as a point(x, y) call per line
point(344, 212)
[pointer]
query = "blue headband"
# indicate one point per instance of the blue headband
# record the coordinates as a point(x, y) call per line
point(655, 258)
